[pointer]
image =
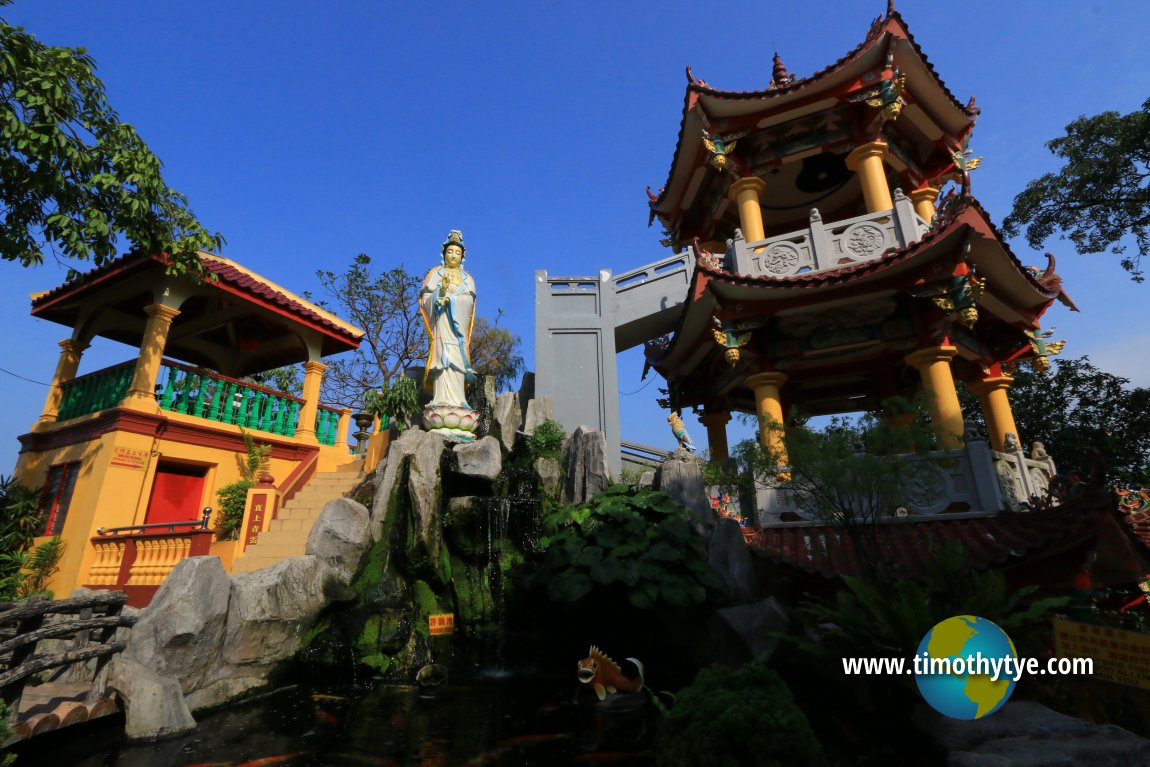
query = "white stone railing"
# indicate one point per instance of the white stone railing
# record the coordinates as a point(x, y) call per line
point(822, 246)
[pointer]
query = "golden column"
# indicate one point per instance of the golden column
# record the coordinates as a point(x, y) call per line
point(66, 366)
point(945, 412)
point(923, 199)
point(716, 422)
point(991, 393)
point(866, 161)
point(312, 378)
point(142, 392)
point(344, 427)
point(746, 193)
point(769, 408)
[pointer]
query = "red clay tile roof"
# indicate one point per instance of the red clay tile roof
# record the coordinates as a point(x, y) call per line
point(699, 86)
point(240, 281)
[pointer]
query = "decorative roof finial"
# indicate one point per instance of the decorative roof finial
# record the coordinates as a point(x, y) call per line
point(779, 75)
point(690, 75)
point(973, 108)
point(890, 8)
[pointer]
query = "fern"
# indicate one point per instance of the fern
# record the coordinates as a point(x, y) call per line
point(258, 460)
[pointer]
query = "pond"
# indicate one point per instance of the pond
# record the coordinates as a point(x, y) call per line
point(525, 718)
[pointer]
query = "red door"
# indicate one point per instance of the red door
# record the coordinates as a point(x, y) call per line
point(176, 493)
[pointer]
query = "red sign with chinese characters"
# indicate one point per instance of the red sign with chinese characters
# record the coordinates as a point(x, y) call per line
point(256, 523)
point(441, 624)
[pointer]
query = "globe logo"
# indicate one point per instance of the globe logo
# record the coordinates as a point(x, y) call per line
point(956, 663)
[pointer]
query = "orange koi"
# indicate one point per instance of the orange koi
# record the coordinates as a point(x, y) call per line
point(605, 676)
point(265, 761)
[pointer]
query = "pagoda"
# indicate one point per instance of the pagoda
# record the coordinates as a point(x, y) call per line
point(828, 277)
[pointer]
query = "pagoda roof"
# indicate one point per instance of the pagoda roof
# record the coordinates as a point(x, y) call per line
point(1016, 291)
point(718, 111)
point(231, 302)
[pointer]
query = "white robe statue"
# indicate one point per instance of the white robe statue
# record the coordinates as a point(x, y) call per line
point(447, 303)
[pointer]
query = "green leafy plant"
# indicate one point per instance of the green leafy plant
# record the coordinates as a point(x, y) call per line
point(20, 517)
point(232, 501)
point(6, 733)
point(635, 541)
point(74, 177)
point(396, 403)
point(546, 441)
point(26, 572)
point(257, 459)
point(713, 720)
point(890, 619)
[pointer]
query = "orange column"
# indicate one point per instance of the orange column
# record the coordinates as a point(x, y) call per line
point(70, 353)
point(312, 378)
point(770, 411)
point(746, 193)
point(344, 427)
point(716, 423)
point(996, 410)
point(142, 393)
point(933, 366)
point(923, 199)
point(866, 161)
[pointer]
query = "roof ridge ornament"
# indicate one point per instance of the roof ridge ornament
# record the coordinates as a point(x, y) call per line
point(780, 77)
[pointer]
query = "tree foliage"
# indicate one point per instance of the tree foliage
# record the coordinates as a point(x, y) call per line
point(1074, 408)
point(494, 353)
point(384, 306)
point(73, 177)
point(1102, 193)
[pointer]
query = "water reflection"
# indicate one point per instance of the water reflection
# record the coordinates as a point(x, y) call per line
point(506, 719)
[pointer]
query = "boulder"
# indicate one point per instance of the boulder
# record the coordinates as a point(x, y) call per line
point(550, 475)
point(270, 609)
point(481, 458)
point(526, 393)
point(1029, 734)
point(154, 706)
point(269, 612)
point(647, 480)
point(483, 400)
point(587, 473)
point(341, 536)
point(681, 477)
point(389, 474)
point(506, 419)
point(424, 490)
point(737, 635)
point(538, 411)
point(728, 554)
point(181, 632)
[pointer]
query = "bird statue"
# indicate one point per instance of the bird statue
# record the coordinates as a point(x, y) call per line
point(680, 431)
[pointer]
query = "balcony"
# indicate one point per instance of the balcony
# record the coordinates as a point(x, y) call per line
point(822, 247)
point(201, 394)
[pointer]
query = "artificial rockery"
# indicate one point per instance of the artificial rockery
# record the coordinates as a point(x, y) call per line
point(451, 529)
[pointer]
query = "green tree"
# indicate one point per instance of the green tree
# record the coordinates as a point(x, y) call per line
point(1074, 408)
point(1102, 193)
point(73, 177)
point(288, 379)
point(494, 352)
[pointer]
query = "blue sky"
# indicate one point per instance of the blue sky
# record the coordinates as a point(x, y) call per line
point(309, 136)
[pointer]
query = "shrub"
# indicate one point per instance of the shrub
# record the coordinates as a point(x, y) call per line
point(547, 440)
point(26, 573)
point(633, 541)
point(736, 717)
point(233, 500)
point(397, 404)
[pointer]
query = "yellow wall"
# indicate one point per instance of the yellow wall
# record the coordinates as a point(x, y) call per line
point(117, 496)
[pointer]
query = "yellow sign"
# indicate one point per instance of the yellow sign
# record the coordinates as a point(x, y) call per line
point(130, 458)
point(444, 623)
point(1119, 656)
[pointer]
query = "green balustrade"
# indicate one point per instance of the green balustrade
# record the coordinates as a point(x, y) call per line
point(97, 391)
point(326, 425)
point(215, 398)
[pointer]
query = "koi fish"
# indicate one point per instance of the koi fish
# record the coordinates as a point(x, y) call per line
point(267, 760)
point(605, 676)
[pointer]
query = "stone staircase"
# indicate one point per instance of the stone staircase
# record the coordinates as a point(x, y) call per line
point(287, 534)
